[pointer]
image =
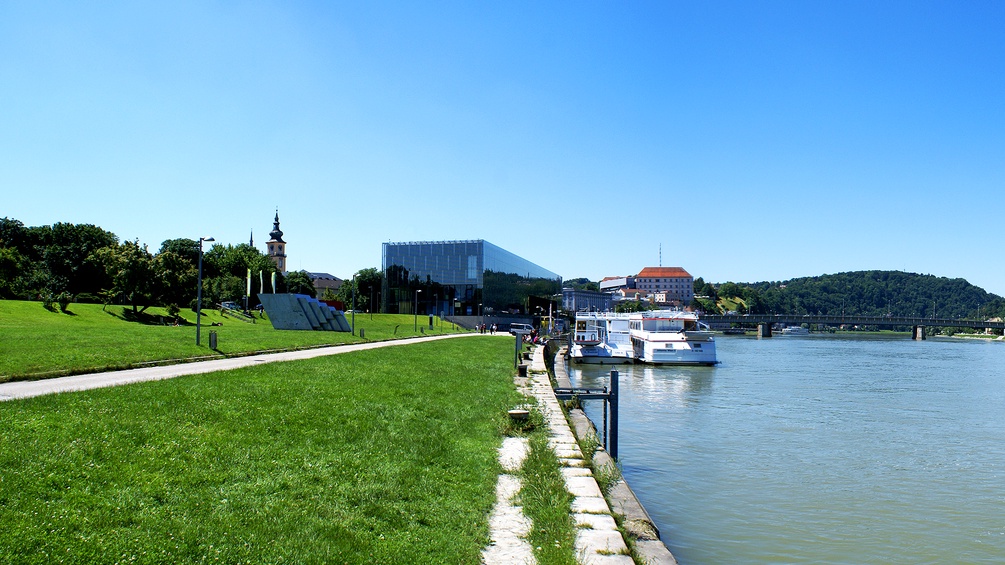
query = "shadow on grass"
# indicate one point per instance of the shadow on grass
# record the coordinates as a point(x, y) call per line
point(126, 314)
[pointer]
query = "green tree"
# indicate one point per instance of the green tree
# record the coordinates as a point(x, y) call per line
point(12, 266)
point(130, 267)
point(67, 248)
point(175, 278)
point(188, 249)
point(299, 282)
point(368, 283)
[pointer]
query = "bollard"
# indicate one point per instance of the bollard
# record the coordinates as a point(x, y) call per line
point(613, 399)
point(522, 370)
point(212, 340)
point(362, 333)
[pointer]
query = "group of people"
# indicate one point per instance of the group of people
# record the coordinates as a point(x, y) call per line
point(482, 328)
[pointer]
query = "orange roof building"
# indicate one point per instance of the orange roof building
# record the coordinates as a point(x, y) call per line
point(675, 282)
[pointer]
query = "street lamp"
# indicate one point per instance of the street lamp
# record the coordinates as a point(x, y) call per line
point(198, 294)
point(354, 304)
point(415, 311)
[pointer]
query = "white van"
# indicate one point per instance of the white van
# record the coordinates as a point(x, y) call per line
point(520, 328)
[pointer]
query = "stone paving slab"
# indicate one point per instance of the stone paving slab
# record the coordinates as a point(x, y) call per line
point(590, 505)
point(601, 542)
point(583, 486)
point(595, 521)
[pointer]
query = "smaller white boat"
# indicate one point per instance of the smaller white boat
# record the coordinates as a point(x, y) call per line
point(795, 330)
point(601, 337)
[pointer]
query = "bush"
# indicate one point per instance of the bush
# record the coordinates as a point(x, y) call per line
point(64, 300)
point(48, 301)
point(88, 298)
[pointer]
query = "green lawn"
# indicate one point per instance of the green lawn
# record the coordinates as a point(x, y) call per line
point(36, 343)
point(384, 456)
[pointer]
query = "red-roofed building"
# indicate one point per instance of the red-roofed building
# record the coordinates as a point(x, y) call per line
point(673, 282)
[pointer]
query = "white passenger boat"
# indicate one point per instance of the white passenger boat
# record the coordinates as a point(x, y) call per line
point(673, 337)
point(795, 330)
point(601, 337)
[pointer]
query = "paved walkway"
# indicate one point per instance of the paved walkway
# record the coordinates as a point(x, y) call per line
point(598, 541)
point(26, 389)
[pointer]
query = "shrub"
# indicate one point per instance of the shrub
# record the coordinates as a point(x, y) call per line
point(48, 301)
point(64, 300)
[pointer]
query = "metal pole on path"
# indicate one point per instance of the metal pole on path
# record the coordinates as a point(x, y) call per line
point(198, 300)
point(613, 450)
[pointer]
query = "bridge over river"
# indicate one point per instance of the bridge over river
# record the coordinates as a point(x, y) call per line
point(765, 321)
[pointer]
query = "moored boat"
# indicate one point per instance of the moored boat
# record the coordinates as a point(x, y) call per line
point(795, 330)
point(601, 337)
point(671, 337)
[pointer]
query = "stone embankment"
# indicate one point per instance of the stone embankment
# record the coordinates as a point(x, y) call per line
point(598, 540)
point(622, 499)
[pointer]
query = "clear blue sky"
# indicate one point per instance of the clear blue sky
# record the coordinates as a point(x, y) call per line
point(752, 140)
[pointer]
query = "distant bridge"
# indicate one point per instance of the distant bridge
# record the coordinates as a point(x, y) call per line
point(765, 321)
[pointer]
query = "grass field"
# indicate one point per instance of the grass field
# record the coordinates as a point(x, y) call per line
point(37, 343)
point(383, 456)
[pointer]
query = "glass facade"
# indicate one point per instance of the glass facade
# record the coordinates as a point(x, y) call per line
point(463, 278)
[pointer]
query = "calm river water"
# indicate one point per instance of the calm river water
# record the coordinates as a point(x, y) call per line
point(820, 449)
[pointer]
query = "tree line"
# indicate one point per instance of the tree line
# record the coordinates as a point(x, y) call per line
point(866, 293)
point(66, 262)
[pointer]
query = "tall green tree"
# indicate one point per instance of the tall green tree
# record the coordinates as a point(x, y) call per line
point(175, 279)
point(368, 284)
point(130, 267)
point(66, 249)
point(299, 282)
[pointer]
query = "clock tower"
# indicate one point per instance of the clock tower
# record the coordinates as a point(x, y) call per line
point(277, 247)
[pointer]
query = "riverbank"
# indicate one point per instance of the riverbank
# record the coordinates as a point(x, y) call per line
point(634, 519)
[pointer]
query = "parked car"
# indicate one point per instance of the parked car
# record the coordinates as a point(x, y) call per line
point(520, 328)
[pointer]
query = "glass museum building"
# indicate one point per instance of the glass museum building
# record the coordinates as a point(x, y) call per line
point(462, 278)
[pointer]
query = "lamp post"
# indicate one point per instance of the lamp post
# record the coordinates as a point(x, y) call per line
point(198, 293)
point(354, 304)
point(415, 311)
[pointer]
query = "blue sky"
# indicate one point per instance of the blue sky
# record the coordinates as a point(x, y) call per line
point(749, 140)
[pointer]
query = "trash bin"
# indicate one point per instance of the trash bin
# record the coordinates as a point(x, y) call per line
point(212, 340)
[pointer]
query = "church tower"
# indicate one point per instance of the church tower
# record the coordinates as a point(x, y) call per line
point(277, 247)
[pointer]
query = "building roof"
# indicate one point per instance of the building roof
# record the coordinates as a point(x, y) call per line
point(663, 272)
point(641, 293)
point(315, 276)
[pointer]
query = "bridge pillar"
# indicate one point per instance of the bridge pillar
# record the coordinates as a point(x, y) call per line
point(918, 333)
point(763, 330)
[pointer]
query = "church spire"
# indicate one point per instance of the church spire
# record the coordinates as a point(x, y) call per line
point(276, 246)
point(276, 233)
point(251, 242)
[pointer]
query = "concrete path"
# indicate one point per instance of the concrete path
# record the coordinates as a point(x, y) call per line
point(26, 389)
point(598, 541)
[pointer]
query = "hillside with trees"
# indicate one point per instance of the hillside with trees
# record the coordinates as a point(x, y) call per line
point(870, 293)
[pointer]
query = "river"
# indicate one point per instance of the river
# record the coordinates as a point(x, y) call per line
point(820, 449)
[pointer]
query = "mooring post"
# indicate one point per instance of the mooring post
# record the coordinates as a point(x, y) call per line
point(613, 399)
